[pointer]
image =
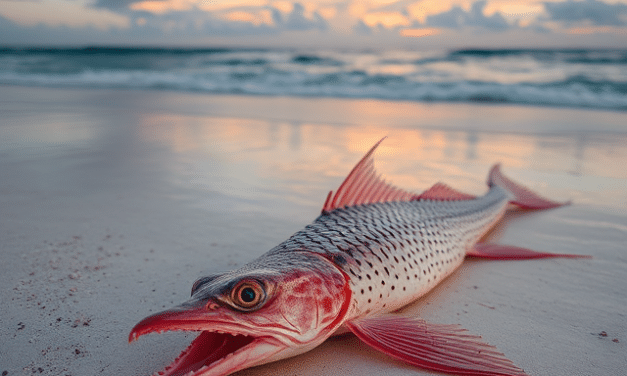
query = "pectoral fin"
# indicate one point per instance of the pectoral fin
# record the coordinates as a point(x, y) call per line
point(443, 348)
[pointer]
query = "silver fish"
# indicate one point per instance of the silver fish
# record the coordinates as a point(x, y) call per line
point(374, 249)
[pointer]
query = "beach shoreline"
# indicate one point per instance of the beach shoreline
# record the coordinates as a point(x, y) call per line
point(346, 111)
point(114, 201)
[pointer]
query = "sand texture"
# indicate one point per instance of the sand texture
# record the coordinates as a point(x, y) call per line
point(113, 202)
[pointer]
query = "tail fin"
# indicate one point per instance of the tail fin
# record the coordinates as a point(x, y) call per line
point(523, 196)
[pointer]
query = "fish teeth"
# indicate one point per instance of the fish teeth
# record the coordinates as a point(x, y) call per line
point(199, 370)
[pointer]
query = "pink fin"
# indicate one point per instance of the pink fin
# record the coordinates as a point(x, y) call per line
point(509, 252)
point(523, 196)
point(443, 192)
point(443, 348)
point(364, 186)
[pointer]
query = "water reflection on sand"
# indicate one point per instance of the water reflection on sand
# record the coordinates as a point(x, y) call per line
point(260, 159)
point(255, 153)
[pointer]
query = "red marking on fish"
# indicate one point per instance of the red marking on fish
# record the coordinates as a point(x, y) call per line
point(374, 249)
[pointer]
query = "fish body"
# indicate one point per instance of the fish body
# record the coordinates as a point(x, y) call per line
point(395, 252)
point(374, 249)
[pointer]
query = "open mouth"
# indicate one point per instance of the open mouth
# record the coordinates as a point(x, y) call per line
point(206, 352)
point(212, 353)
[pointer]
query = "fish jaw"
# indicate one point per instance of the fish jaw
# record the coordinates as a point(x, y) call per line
point(221, 350)
point(303, 307)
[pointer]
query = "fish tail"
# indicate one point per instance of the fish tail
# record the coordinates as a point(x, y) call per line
point(522, 196)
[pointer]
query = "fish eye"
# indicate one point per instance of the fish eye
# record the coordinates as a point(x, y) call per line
point(247, 294)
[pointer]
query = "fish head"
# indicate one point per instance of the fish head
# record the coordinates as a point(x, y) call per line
point(254, 315)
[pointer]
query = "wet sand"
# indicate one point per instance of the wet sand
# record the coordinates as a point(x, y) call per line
point(112, 202)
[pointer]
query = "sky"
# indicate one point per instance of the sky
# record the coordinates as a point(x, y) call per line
point(316, 23)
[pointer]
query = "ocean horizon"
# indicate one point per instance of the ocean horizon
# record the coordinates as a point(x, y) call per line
point(573, 78)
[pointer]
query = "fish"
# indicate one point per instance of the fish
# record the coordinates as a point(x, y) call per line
point(374, 249)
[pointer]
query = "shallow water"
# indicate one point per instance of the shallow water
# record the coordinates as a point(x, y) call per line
point(259, 152)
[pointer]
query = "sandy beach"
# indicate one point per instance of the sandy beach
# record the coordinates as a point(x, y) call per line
point(113, 202)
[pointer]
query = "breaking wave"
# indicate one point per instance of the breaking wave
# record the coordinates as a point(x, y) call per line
point(571, 78)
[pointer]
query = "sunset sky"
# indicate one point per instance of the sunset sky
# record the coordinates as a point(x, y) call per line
point(320, 23)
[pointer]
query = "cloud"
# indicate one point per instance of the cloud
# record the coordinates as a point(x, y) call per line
point(14, 34)
point(296, 19)
point(397, 6)
point(361, 28)
point(593, 11)
point(238, 20)
point(451, 19)
point(114, 4)
point(75, 14)
point(477, 18)
point(194, 24)
point(457, 18)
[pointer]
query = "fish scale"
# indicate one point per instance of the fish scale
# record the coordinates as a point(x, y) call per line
point(395, 252)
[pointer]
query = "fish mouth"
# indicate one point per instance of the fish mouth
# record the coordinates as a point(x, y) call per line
point(212, 352)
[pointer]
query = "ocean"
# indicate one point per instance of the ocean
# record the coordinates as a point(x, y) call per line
point(578, 78)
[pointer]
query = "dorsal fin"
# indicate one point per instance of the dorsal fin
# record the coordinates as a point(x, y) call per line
point(364, 185)
point(443, 192)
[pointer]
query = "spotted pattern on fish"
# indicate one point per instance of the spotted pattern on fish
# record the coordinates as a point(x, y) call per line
point(395, 252)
